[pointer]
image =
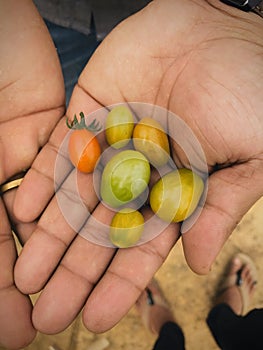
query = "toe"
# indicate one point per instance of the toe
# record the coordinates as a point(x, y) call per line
point(236, 265)
point(248, 278)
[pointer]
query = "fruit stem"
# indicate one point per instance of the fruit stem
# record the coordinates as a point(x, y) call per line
point(94, 126)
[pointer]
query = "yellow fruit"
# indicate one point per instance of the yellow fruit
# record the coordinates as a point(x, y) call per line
point(126, 228)
point(119, 126)
point(124, 178)
point(176, 195)
point(150, 139)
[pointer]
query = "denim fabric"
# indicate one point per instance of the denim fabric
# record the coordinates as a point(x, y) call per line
point(74, 50)
point(76, 14)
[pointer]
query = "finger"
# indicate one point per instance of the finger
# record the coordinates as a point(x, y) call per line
point(125, 279)
point(56, 229)
point(23, 231)
point(231, 193)
point(78, 272)
point(75, 277)
point(37, 187)
point(64, 296)
point(16, 329)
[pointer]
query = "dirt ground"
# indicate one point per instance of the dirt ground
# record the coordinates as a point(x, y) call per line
point(189, 295)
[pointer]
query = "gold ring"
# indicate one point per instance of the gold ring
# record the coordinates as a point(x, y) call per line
point(13, 183)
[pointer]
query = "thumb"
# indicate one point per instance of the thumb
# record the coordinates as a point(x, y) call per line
point(231, 193)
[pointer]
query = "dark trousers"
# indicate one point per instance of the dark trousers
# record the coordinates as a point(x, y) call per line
point(231, 332)
point(170, 338)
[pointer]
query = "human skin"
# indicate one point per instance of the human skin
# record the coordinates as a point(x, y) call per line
point(29, 112)
point(200, 60)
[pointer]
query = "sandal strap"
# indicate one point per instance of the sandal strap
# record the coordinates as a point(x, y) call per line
point(154, 296)
point(236, 280)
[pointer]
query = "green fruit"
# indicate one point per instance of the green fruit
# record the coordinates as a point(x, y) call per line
point(126, 228)
point(119, 127)
point(150, 139)
point(124, 178)
point(176, 195)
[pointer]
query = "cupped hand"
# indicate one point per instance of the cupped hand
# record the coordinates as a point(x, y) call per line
point(203, 62)
point(32, 102)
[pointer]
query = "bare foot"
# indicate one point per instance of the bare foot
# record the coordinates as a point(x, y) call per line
point(239, 285)
point(153, 308)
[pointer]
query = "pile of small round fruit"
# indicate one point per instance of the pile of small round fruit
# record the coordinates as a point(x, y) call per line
point(126, 175)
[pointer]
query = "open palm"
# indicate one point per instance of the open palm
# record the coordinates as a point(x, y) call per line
point(204, 65)
point(32, 102)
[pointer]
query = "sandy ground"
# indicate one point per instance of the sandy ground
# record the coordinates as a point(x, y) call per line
point(189, 295)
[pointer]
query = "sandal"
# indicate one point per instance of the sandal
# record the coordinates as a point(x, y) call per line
point(236, 280)
point(151, 296)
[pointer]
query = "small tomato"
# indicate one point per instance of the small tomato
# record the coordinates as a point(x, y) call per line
point(150, 139)
point(126, 228)
point(119, 126)
point(176, 195)
point(83, 146)
point(124, 178)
